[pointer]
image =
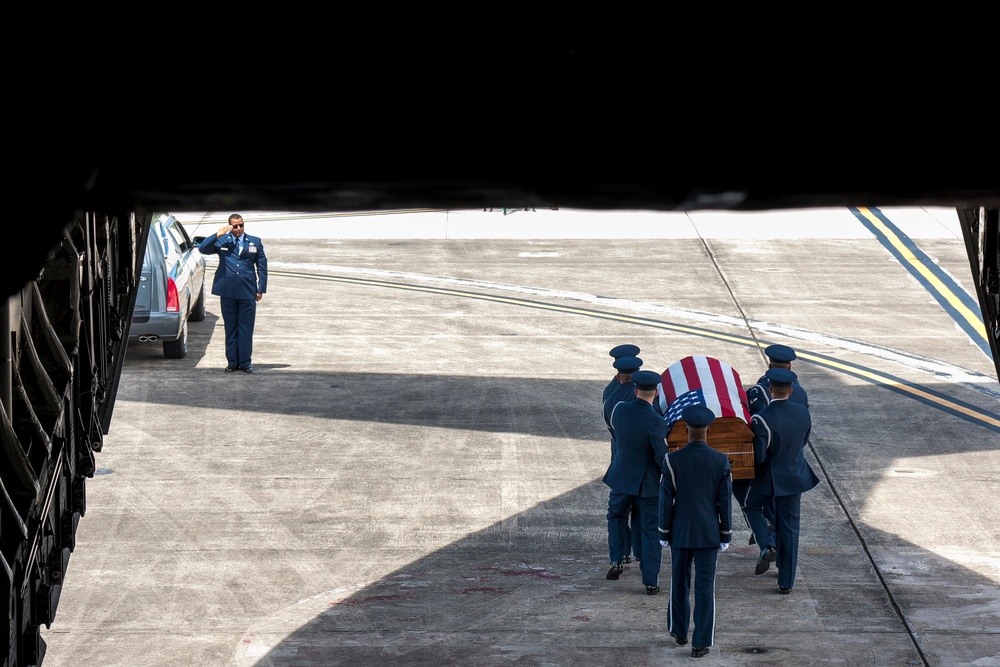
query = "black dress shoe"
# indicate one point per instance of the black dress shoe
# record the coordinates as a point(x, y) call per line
point(783, 590)
point(764, 562)
point(681, 641)
point(615, 571)
point(230, 369)
point(247, 369)
point(699, 652)
point(652, 590)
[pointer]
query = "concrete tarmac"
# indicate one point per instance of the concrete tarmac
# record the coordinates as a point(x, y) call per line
point(412, 476)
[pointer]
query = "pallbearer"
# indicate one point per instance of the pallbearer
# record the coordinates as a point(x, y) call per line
point(622, 388)
point(634, 476)
point(783, 475)
point(695, 517)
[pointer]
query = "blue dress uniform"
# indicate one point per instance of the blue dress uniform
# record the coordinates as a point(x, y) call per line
point(695, 517)
point(634, 477)
point(620, 391)
point(240, 276)
point(758, 397)
point(618, 352)
point(782, 474)
point(624, 391)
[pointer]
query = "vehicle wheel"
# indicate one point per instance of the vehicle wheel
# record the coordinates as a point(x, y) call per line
point(198, 311)
point(177, 349)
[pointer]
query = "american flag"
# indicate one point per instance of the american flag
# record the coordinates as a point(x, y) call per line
point(693, 397)
point(702, 381)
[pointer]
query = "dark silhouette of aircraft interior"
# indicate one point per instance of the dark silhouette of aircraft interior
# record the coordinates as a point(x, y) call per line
point(113, 129)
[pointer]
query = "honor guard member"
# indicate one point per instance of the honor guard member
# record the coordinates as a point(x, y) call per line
point(696, 523)
point(781, 475)
point(640, 436)
point(618, 352)
point(623, 389)
point(758, 396)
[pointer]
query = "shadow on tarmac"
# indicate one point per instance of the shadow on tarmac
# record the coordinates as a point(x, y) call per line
point(152, 353)
point(530, 590)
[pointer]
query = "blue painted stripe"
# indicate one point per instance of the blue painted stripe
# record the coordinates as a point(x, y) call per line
point(933, 398)
point(952, 289)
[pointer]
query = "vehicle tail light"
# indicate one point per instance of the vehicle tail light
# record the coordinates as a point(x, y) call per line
point(173, 303)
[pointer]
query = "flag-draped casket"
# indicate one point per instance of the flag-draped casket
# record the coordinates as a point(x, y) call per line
point(715, 384)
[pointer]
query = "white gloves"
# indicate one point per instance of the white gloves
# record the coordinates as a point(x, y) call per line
point(722, 547)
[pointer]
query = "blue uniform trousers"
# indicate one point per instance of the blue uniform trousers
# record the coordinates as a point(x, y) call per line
point(619, 508)
point(784, 534)
point(740, 489)
point(679, 605)
point(239, 316)
point(632, 540)
point(634, 531)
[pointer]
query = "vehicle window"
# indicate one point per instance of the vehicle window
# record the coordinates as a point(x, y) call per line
point(179, 236)
point(173, 251)
point(184, 233)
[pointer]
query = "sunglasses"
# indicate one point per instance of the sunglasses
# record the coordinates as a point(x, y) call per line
point(236, 226)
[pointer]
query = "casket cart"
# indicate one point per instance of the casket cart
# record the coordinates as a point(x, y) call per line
point(699, 380)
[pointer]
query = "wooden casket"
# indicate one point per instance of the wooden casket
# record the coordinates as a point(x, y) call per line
point(699, 380)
